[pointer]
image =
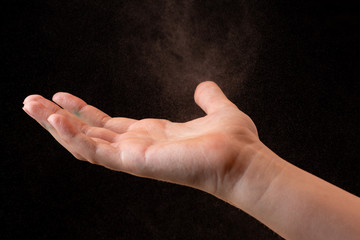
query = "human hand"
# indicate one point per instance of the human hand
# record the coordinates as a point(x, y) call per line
point(219, 153)
point(207, 153)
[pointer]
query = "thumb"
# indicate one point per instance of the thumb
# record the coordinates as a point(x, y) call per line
point(210, 98)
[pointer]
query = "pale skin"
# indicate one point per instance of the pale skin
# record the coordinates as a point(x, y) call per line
point(219, 153)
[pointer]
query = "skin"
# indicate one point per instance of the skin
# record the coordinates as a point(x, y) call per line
point(219, 153)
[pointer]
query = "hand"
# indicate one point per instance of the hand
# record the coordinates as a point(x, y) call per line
point(205, 153)
point(219, 153)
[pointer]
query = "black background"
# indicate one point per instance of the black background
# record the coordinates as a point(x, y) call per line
point(302, 93)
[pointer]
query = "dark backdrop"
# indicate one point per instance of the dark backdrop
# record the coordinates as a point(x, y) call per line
point(291, 65)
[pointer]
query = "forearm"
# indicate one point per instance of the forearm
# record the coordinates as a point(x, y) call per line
point(292, 202)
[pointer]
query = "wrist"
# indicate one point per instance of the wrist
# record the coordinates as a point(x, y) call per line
point(256, 169)
point(291, 201)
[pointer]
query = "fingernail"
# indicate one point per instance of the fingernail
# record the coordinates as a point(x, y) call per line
point(27, 111)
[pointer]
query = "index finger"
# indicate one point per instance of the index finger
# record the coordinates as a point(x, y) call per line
point(81, 109)
point(90, 114)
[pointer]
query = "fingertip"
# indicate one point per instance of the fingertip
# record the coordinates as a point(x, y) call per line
point(208, 82)
point(54, 119)
point(26, 110)
point(59, 96)
point(62, 124)
point(68, 101)
point(32, 97)
point(62, 99)
point(58, 122)
point(203, 86)
point(209, 96)
point(32, 108)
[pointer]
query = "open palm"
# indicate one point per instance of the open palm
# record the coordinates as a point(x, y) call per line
point(201, 153)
